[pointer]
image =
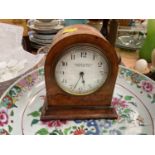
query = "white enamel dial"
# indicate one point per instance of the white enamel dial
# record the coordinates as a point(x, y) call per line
point(81, 70)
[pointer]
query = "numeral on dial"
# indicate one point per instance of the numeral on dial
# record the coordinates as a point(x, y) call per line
point(64, 63)
point(72, 56)
point(83, 54)
point(80, 89)
point(100, 64)
point(64, 81)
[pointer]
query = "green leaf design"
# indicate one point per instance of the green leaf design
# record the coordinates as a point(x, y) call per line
point(149, 96)
point(40, 109)
point(56, 132)
point(124, 116)
point(104, 131)
point(82, 126)
point(12, 113)
point(127, 111)
point(113, 122)
point(74, 127)
point(66, 130)
point(122, 128)
point(128, 97)
point(41, 71)
point(13, 106)
point(10, 128)
point(42, 131)
point(14, 91)
point(153, 101)
point(34, 121)
point(133, 103)
point(34, 114)
point(138, 86)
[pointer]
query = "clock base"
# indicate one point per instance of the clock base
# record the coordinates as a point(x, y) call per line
point(70, 113)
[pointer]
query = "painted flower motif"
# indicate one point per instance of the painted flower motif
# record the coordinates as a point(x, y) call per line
point(93, 127)
point(15, 91)
point(3, 118)
point(30, 80)
point(136, 78)
point(119, 102)
point(41, 71)
point(79, 131)
point(8, 102)
point(147, 86)
point(55, 123)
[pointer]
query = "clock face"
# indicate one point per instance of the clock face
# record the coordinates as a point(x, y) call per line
point(82, 70)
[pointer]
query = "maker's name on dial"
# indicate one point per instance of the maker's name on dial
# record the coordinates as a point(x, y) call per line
point(83, 65)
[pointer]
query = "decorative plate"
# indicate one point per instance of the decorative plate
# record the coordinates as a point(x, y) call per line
point(133, 98)
point(129, 42)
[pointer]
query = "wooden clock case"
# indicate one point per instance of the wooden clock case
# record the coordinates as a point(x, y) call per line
point(61, 105)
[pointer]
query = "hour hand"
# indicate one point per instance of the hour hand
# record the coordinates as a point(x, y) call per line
point(82, 76)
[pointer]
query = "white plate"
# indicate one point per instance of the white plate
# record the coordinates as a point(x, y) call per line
point(133, 98)
point(41, 36)
point(39, 41)
point(46, 29)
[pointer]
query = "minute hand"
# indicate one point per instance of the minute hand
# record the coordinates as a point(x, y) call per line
point(81, 76)
point(77, 82)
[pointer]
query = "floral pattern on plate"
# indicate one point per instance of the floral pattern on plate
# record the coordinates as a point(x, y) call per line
point(144, 84)
point(25, 98)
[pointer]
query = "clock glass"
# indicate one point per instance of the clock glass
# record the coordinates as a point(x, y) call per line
point(82, 70)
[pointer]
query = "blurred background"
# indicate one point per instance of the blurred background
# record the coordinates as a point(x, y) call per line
point(126, 35)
